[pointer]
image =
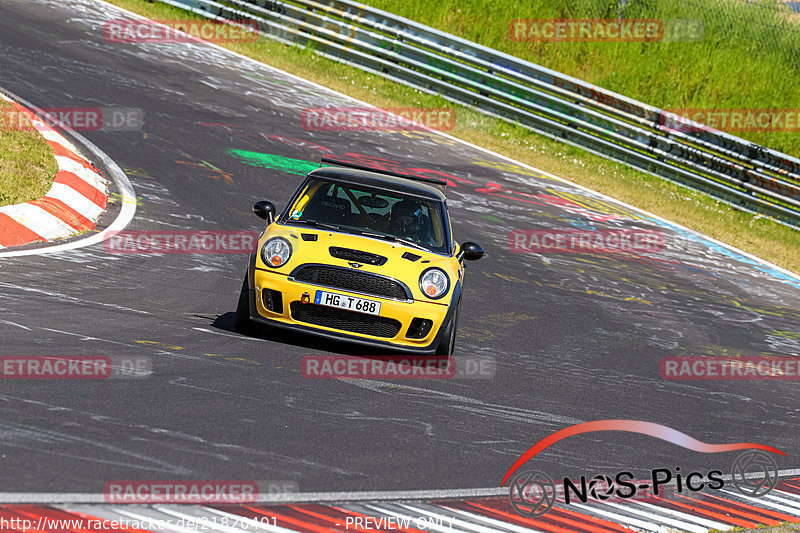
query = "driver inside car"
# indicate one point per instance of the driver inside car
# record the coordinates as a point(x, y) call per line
point(408, 221)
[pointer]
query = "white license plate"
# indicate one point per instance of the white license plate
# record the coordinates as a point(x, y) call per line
point(351, 303)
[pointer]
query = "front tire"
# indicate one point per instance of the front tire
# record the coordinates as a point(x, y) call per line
point(447, 346)
point(242, 323)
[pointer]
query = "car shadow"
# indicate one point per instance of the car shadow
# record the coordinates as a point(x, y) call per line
point(225, 322)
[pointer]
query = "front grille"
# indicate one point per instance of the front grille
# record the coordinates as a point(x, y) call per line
point(345, 320)
point(351, 280)
point(357, 255)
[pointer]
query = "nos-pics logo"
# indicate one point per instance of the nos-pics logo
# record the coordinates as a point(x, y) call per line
point(533, 493)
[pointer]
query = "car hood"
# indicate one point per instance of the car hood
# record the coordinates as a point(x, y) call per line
point(401, 262)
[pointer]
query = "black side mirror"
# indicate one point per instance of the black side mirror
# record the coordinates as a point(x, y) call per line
point(265, 210)
point(471, 251)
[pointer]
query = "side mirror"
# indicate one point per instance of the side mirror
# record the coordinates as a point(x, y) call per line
point(471, 251)
point(265, 210)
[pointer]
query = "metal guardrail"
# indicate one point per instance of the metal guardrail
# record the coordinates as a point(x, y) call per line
point(739, 172)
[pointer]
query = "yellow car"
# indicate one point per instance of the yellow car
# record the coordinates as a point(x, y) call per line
point(360, 255)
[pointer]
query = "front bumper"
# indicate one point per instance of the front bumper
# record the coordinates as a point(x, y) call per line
point(294, 315)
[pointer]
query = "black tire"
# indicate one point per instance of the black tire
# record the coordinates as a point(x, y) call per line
point(447, 346)
point(242, 322)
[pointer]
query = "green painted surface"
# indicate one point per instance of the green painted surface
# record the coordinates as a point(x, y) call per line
point(274, 162)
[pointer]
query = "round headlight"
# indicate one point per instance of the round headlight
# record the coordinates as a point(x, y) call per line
point(434, 283)
point(276, 252)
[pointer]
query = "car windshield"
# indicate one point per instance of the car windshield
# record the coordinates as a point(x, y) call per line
point(373, 212)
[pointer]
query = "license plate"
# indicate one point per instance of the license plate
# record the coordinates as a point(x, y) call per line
point(351, 303)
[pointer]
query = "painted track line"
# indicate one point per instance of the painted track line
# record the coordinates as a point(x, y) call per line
point(61, 212)
point(75, 168)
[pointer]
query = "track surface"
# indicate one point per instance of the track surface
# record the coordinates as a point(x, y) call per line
point(576, 337)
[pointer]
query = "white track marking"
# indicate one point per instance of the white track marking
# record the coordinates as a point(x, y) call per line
point(250, 522)
point(152, 521)
point(428, 526)
point(197, 519)
point(761, 502)
point(498, 523)
point(620, 519)
point(126, 192)
point(38, 220)
point(694, 528)
point(75, 200)
point(14, 324)
point(451, 520)
point(89, 176)
point(685, 516)
point(57, 138)
point(785, 501)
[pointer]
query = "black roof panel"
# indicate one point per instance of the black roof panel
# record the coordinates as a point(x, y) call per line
point(379, 181)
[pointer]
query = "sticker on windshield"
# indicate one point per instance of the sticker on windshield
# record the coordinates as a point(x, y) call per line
point(296, 214)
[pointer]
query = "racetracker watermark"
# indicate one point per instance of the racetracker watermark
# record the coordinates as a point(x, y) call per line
point(181, 242)
point(74, 118)
point(586, 30)
point(372, 119)
point(693, 120)
point(730, 368)
point(397, 367)
point(174, 491)
point(44, 367)
point(179, 31)
point(639, 241)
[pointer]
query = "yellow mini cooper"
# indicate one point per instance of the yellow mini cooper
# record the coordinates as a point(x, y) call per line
point(361, 255)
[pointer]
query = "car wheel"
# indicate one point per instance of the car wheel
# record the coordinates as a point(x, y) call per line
point(447, 345)
point(242, 322)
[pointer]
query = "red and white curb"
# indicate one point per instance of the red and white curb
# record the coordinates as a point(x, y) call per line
point(694, 512)
point(73, 204)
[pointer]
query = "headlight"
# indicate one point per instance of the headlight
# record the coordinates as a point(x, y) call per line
point(276, 252)
point(434, 283)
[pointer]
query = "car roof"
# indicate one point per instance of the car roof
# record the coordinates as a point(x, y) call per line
point(410, 187)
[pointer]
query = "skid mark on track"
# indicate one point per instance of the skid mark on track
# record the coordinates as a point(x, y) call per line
point(212, 171)
point(30, 438)
point(47, 294)
point(455, 401)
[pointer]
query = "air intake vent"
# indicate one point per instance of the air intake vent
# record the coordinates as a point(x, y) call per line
point(377, 326)
point(352, 280)
point(357, 255)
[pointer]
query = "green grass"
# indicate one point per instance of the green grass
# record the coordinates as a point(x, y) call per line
point(726, 69)
point(756, 235)
point(786, 527)
point(27, 165)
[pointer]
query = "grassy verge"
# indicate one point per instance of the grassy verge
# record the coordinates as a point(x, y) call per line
point(728, 66)
point(27, 165)
point(783, 528)
point(761, 237)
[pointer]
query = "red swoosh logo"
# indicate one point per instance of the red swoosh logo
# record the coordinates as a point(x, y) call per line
point(634, 426)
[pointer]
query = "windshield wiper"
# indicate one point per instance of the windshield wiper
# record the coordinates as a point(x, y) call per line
point(392, 238)
point(314, 224)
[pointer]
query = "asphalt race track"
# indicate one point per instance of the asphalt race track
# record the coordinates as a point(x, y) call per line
point(575, 336)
